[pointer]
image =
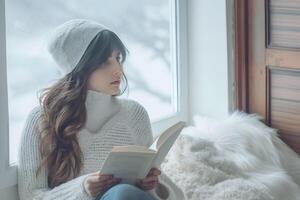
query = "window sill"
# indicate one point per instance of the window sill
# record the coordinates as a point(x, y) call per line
point(8, 177)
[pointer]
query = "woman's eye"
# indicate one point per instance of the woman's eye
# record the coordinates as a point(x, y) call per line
point(119, 59)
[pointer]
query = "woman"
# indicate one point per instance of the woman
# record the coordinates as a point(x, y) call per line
point(67, 138)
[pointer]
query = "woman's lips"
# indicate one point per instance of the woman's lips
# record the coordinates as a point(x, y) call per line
point(115, 82)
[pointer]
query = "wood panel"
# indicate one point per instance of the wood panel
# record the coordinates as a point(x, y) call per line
point(284, 26)
point(240, 58)
point(283, 58)
point(285, 105)
point(257, 88)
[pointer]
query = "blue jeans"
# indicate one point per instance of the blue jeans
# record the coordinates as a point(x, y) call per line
point(125, 192)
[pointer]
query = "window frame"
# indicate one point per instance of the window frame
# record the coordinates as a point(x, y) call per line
point(181, 55)
point(8, 173)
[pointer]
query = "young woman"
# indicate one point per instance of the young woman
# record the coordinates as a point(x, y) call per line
point(68, 136)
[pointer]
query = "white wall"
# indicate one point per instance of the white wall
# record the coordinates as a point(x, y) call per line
point(9, 193)
point(208, 72)
point(208, 61)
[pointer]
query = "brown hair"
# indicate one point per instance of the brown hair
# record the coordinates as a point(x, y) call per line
point(64, 113)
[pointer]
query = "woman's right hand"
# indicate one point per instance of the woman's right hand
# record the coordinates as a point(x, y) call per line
point(95, 183)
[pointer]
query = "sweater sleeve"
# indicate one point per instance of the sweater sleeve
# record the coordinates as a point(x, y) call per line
point(141, 124)
point(32, 187)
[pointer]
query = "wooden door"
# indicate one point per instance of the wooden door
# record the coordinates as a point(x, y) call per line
point(272, 63)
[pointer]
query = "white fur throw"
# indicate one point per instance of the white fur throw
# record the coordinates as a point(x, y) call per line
point(238, 158)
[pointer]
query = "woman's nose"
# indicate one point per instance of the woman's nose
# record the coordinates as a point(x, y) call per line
point(118, 71)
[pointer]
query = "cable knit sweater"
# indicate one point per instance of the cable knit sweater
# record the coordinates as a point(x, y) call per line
point(110, 122)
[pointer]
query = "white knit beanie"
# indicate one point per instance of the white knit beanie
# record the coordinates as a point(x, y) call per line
point(68, 42)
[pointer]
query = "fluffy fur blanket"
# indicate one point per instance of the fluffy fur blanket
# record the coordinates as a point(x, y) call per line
point(238, 158)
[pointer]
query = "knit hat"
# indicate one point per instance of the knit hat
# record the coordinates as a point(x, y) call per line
point(68, 42)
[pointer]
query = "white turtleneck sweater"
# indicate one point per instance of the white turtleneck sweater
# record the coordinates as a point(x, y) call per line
point(110, 122)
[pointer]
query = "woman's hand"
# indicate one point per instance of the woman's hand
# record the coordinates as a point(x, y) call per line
point(95, 183)
point(150, 181)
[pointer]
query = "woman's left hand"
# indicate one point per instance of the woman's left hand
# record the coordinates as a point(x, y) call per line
point(150, 181)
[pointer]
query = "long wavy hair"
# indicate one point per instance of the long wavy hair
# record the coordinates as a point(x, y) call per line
point(64, 113)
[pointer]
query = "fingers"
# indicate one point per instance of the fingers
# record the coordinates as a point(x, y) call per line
point(113, 181)
point(154, 171)
point(149, 179)
point(102, 180)
point(148, 185)
point(95, 183)
point(102, 186)
point(105, 184)
point(101, 176)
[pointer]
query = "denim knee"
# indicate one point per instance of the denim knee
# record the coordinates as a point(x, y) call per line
point(125, 192)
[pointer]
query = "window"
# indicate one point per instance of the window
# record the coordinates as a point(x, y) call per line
point(148, 29)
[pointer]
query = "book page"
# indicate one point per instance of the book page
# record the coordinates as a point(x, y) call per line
point(132, 148)
point(128, 165)
point(154, 145)
point(164, 142)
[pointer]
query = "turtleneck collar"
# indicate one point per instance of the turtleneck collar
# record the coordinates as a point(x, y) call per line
point(100, 108)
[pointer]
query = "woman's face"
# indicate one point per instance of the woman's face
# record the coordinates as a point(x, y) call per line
point(107, 77)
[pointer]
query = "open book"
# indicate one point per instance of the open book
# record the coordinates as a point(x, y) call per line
point(132, 162)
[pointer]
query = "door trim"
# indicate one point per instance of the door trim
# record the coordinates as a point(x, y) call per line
point(240, 56)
